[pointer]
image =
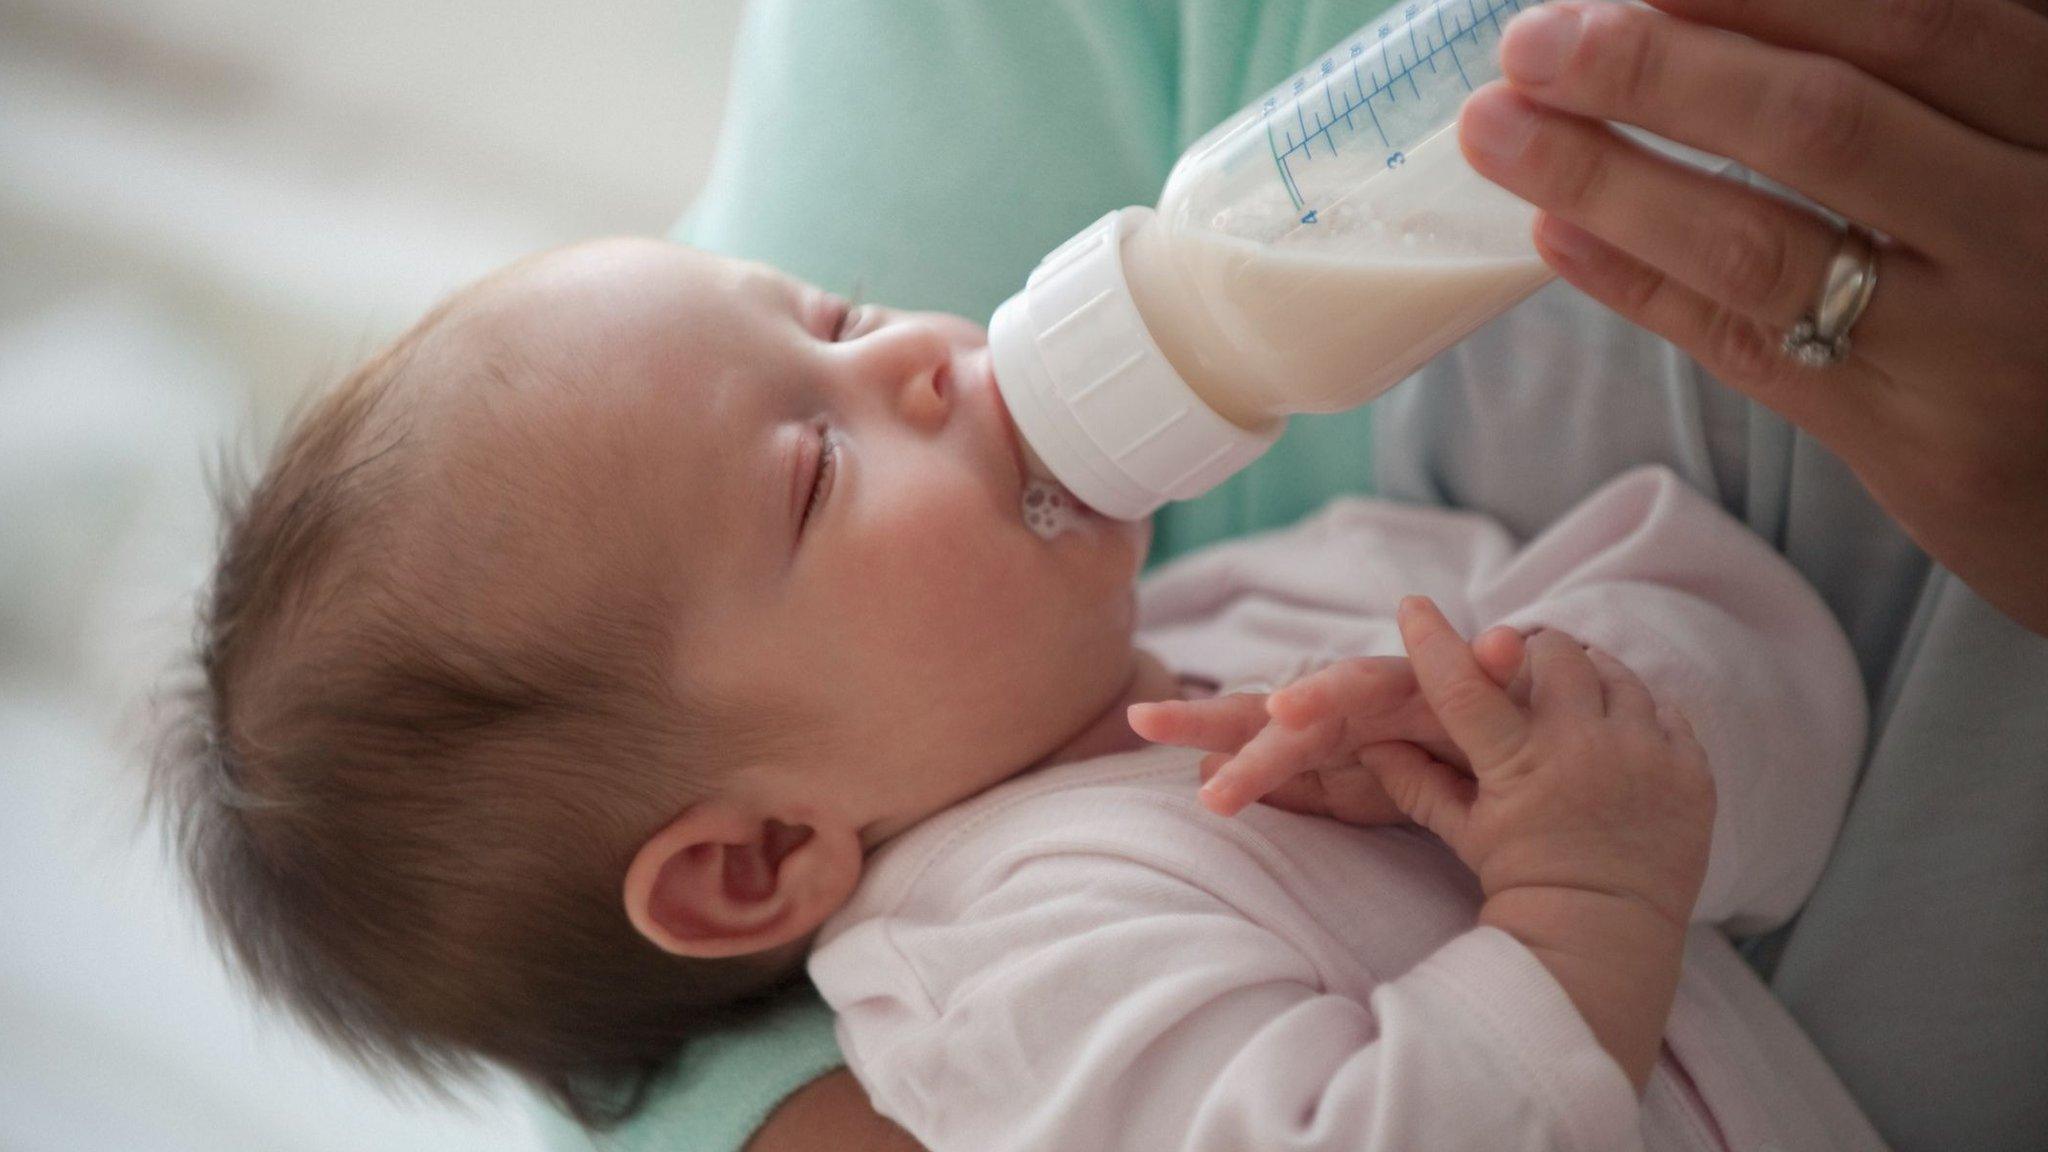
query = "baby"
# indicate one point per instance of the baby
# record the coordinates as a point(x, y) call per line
point(643, 623)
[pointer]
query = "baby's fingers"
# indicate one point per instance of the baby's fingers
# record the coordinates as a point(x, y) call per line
point(1626, 695)
point(1347, 690)
point(1429, 792)
point(1500, 651)
point(1270, 759)
point(1218, 724)
point(1477, 713)
point(1563, 678)
point(1677, 728)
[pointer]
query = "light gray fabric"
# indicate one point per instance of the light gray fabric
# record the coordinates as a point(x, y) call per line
point(1918, 965)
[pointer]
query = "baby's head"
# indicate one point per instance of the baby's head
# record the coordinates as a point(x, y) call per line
point(565, 660)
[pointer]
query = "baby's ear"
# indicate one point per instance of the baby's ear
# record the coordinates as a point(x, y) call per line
point(724, 880)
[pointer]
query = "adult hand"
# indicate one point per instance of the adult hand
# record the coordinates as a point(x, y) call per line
point(1923, 120)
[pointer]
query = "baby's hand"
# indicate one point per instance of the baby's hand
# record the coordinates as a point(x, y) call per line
point(1586, 818)
point(1588, 786)
point(1319, 745)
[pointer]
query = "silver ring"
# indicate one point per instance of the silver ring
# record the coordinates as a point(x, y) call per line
point(1821, 337)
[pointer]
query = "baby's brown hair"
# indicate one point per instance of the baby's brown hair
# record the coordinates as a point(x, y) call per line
point(408, 820)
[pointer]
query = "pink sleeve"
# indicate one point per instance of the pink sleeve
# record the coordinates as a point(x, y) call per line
point(1717, 623)
point(1099, 1002)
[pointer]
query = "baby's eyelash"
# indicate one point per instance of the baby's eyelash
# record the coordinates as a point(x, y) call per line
point(847, 319)
point(851, 313)
point(828, 469)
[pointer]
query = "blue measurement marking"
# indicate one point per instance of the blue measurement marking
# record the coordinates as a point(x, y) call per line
point(1400, 67)
point(1286, 177)
point(1383, 52)
point(1453, 48)
point(1471, 30)
point(1417, 48)
point(1384, 142)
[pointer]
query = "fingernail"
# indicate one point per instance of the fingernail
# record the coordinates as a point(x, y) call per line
point(1538, 43)
point(1497, 124)
point(1213, 799)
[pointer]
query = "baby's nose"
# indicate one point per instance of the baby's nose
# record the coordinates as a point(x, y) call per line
point(913, 363)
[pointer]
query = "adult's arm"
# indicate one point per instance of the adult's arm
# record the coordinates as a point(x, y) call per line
point(1926, 120)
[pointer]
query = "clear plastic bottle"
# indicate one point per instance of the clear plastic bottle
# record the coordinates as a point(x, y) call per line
point(1305, 256)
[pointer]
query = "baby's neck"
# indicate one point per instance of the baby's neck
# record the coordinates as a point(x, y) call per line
point(1109, 732)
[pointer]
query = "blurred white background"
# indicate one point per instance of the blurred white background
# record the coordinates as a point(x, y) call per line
point(208, 207)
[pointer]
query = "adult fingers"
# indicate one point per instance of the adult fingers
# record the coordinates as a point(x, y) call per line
point(1754, 254)
point(1813, 123)
point(1218, 724)
point(1563, 679)
point(1475, 711)
point(1626, 694)
point(1837, 405)
point(1980, 61)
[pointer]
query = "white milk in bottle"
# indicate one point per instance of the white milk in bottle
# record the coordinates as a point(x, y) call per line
point(1305, 256)
point(1264, 317)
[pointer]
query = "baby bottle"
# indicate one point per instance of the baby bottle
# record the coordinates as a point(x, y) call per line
point(1306, 255)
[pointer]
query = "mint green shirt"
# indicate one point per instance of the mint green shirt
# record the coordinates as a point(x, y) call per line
point(721, 1088)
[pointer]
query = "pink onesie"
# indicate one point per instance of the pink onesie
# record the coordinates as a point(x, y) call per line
point(1085, 958)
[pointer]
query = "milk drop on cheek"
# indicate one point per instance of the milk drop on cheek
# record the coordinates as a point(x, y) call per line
point(1049, 510)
